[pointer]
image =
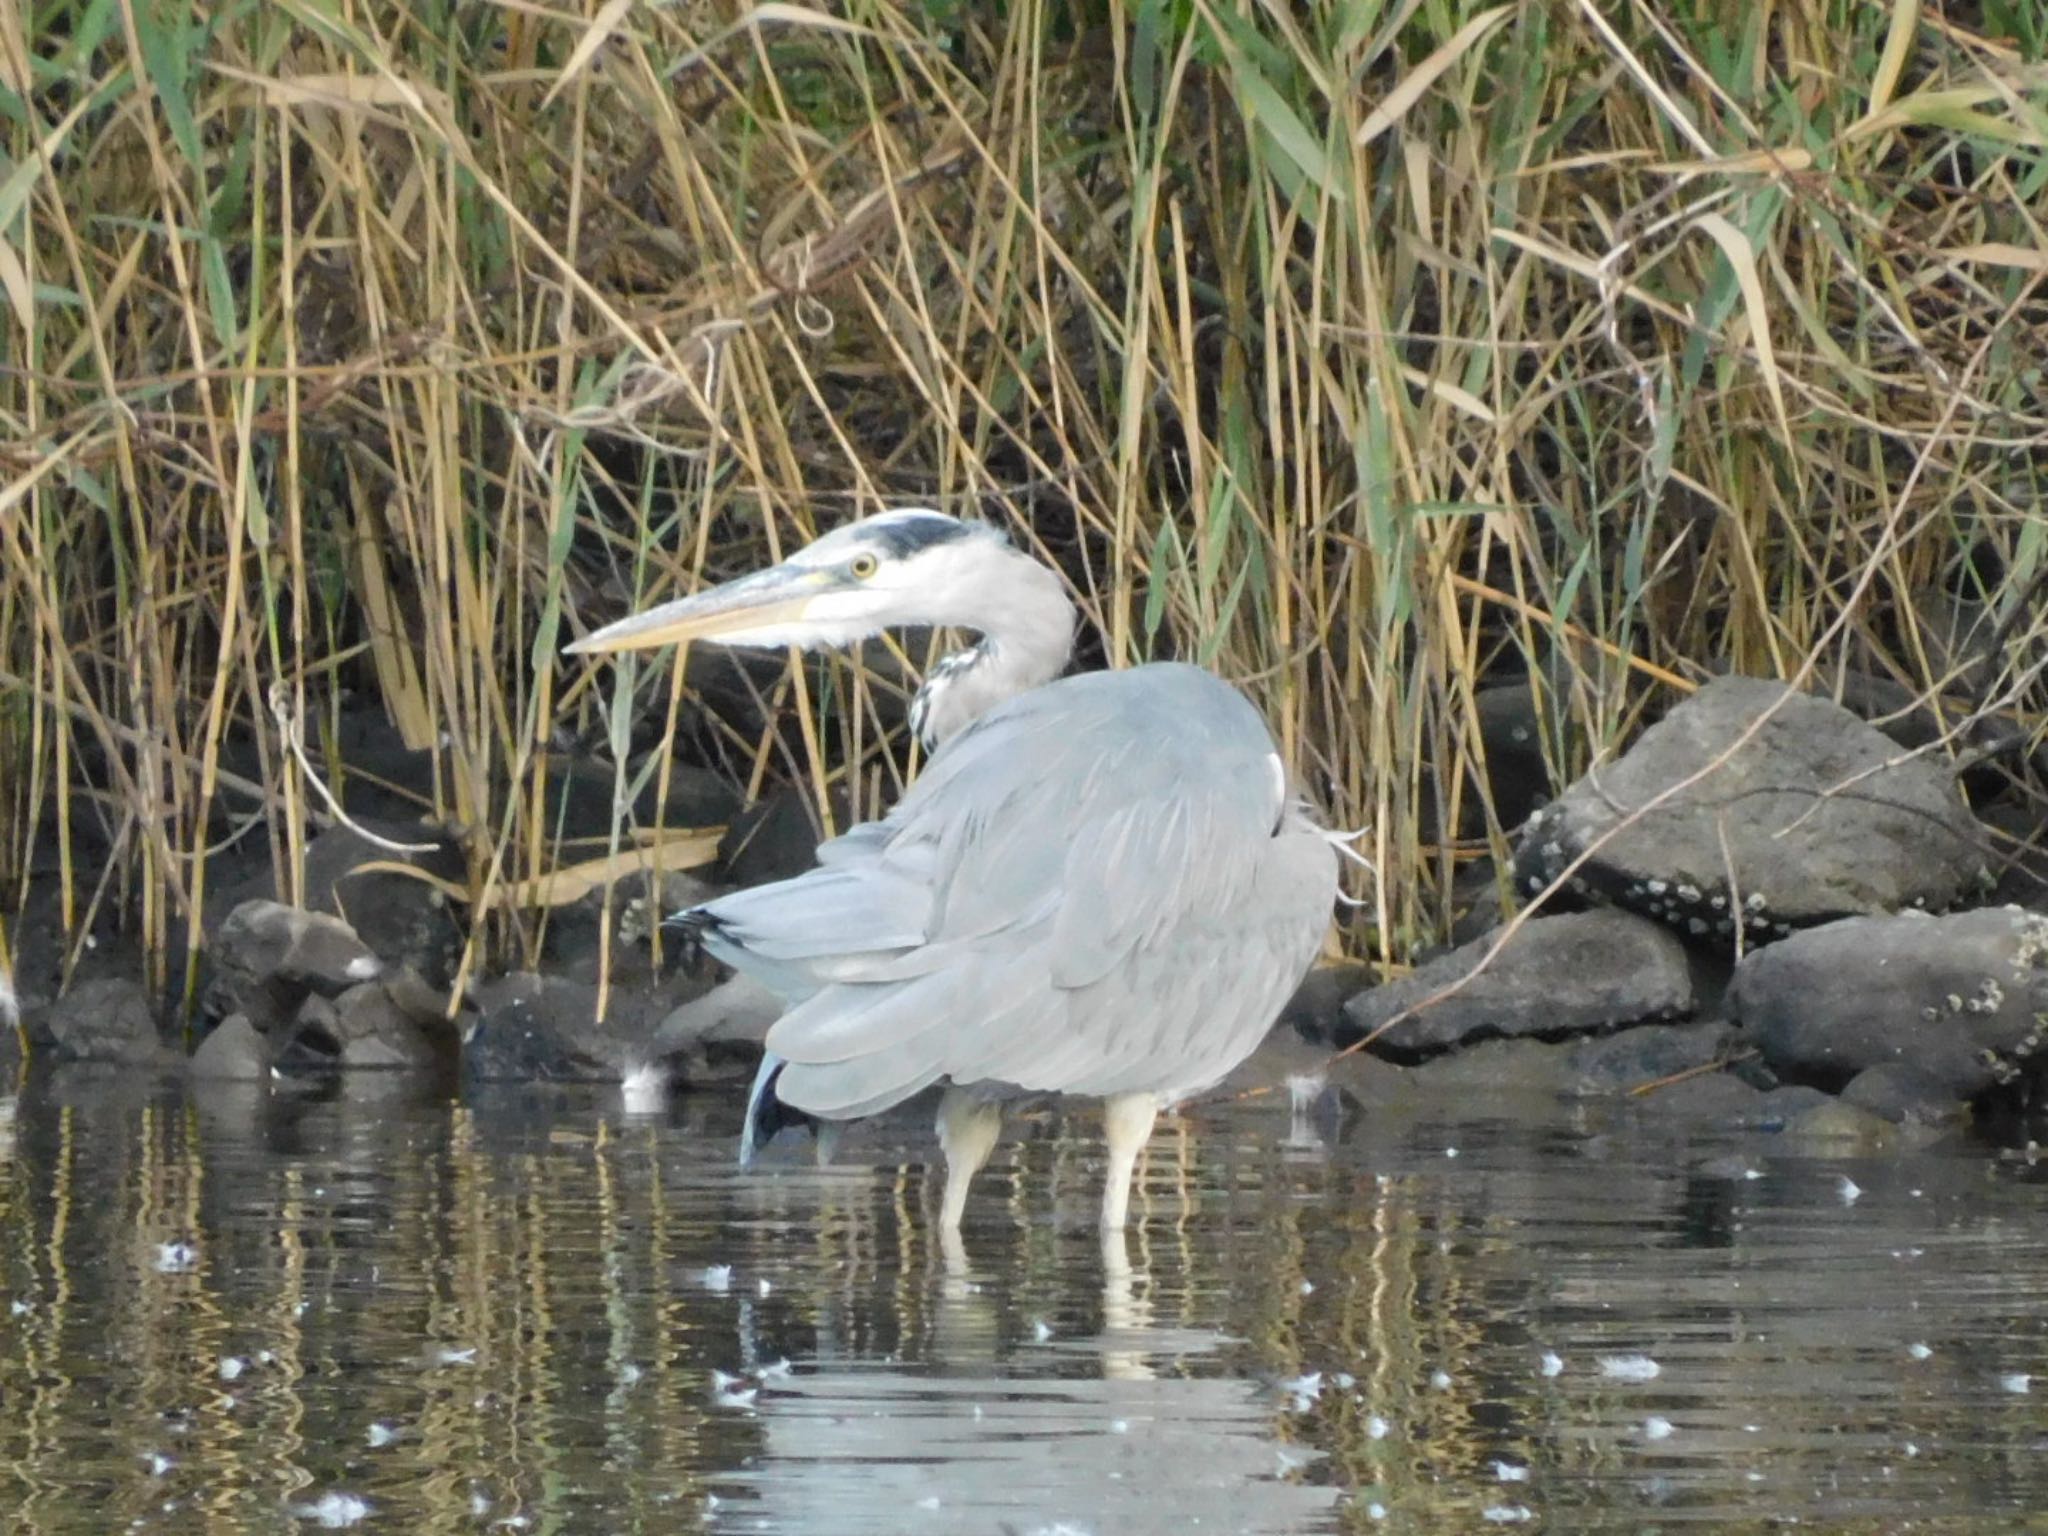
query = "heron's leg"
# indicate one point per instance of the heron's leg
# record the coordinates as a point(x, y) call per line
point(1126, 1125)
point(828, 1133)
point(968, 1127)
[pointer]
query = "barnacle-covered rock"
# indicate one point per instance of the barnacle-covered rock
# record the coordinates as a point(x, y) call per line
point(1814, 816)
point(1961, 1000)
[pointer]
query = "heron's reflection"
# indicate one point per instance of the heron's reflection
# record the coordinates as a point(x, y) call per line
point(1033, 1380)
point(1126, 1312)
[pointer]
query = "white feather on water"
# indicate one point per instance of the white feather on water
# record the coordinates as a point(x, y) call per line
point(645, 1089)
point(1630, 1368)
point(334, 1511)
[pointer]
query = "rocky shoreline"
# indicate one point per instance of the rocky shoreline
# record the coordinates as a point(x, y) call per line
point(1816, 935)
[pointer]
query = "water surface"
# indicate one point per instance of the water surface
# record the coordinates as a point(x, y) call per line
point(235, 1311)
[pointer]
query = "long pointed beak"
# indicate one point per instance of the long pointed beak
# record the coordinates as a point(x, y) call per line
point(776, 596)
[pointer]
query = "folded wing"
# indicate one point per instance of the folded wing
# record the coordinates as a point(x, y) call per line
point(1100, 887)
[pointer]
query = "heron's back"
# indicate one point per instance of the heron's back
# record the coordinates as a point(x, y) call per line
point(1100, 887)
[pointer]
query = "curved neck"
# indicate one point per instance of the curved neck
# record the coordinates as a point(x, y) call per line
point(1027, 634)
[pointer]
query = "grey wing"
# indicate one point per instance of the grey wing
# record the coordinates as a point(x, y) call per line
point(1098, 888)
point(797, 935)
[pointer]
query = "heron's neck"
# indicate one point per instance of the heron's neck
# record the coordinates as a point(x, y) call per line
point(1027, 634)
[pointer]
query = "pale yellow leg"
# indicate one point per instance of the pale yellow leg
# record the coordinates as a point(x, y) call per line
point(968, 1128)
point(1126, 1125)
point(954, 1253)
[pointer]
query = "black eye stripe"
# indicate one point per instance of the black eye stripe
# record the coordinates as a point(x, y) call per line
point(904, 538)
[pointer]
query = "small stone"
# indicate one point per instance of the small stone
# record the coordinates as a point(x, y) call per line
point(232, 1052)
point(108, 1019)
point(1904, 1095)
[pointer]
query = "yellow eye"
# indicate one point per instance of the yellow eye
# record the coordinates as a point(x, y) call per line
point(863, 566)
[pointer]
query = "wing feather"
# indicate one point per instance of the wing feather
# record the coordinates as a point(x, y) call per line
point(1096, 888)
point(839, 1023)
point(847, 1090)
point(830, 912)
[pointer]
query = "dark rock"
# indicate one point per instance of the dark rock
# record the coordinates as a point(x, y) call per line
point(1494, 1072)
point(1316, 1011)
point(405, 919)
point(109, 1019)
point(1956, 998)
point(1905, 1095)
point(379, 766)
point(715, 1037)
point(582, 798)
point(1750, 1066)
point(1712, 971)
point(776, 838)
point(1558, 976)
point(574, 944)
point(1482, 898)
point(232, 1052)
point(271, 958)
point(2020, 826)
point(1815, 817)
point(1284, 1054)
point(546, 1028)
point(1712, 1098)
point(377, 1033)
point(1367, 1083)
point(1892, 707)
point(1776, 1110)
point(1836, 1121)
point(367, 1027)
point(426, 1006)
point(310, 1041)
point(1517, 776)
point(1649, 1053)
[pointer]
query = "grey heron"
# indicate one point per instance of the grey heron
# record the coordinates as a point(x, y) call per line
point(1100, 885)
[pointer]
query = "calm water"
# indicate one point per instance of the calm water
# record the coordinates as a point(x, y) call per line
point(536, 1312)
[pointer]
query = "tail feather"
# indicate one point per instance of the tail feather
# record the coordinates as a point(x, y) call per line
point(690, 925)
point(767, 1115)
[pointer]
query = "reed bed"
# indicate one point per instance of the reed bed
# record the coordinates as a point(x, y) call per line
point(1381, 356)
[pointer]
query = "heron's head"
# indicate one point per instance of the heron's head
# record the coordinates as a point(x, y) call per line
point(902, 568)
